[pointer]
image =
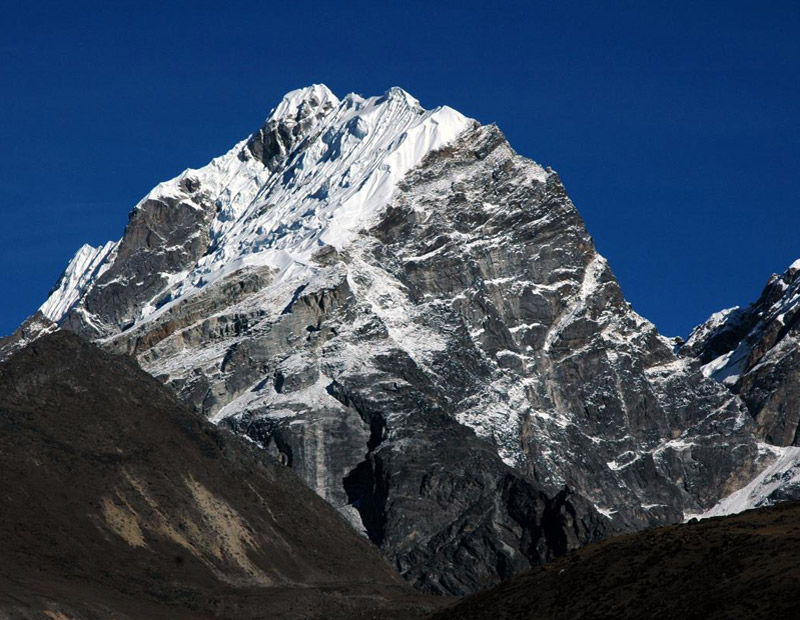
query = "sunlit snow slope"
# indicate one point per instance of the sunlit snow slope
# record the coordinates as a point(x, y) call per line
point(355, 152)
point(87, 265)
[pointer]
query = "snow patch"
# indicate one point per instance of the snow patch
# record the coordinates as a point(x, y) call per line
point(783, 471)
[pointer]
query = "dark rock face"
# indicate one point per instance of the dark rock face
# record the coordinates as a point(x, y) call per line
point(606, 408)
point(462, 378)
point(272, 144)
point(119, 502)
point(164, 235)
point(452, 516)
point(755, 351)
point(743, 566)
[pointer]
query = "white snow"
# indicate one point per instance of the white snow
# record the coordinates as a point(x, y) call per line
point(606, 512)
point(335, 185)
point(727, 368)
point(784, 470)
point(293, 101)
point(589, 285)
point(313, 396)
point(623, 460)
point(87, 265)
point(713, 322)
point(353, 154)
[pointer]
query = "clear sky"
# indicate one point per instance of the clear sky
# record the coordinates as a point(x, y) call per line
point(674, 125)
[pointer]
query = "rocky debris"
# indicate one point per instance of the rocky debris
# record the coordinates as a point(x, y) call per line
point(120, 502)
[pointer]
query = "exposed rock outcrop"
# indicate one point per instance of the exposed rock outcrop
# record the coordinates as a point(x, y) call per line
point(755, 352)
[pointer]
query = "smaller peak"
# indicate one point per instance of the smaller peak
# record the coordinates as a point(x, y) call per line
point(86, 249)
point(395, 93)
point(316, 97)
point(789, 277)
point(353, 99)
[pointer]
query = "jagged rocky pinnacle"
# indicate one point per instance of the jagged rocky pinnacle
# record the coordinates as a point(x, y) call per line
point(412, 316)
point(755, 352)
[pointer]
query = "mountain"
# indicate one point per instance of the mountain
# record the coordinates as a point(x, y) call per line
point(413, 317)
point(743, 566)
point(755, 352)
point(119, 502)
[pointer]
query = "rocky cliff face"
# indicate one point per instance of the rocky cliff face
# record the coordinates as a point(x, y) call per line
point(755, 352)
point(413, 317)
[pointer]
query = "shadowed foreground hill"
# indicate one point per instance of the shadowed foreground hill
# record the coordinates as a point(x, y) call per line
point(744, 566)
point(119, 503)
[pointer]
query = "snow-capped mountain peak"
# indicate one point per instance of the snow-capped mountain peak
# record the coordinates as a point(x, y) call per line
point(318, 170)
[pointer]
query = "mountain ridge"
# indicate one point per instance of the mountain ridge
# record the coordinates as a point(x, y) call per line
point(755, 352)
point(740, 566)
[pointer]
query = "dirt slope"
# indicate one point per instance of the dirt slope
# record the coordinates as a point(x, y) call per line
point(117, 502)
point(743, 566)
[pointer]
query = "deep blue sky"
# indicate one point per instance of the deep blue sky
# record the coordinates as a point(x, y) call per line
point(674, 125)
